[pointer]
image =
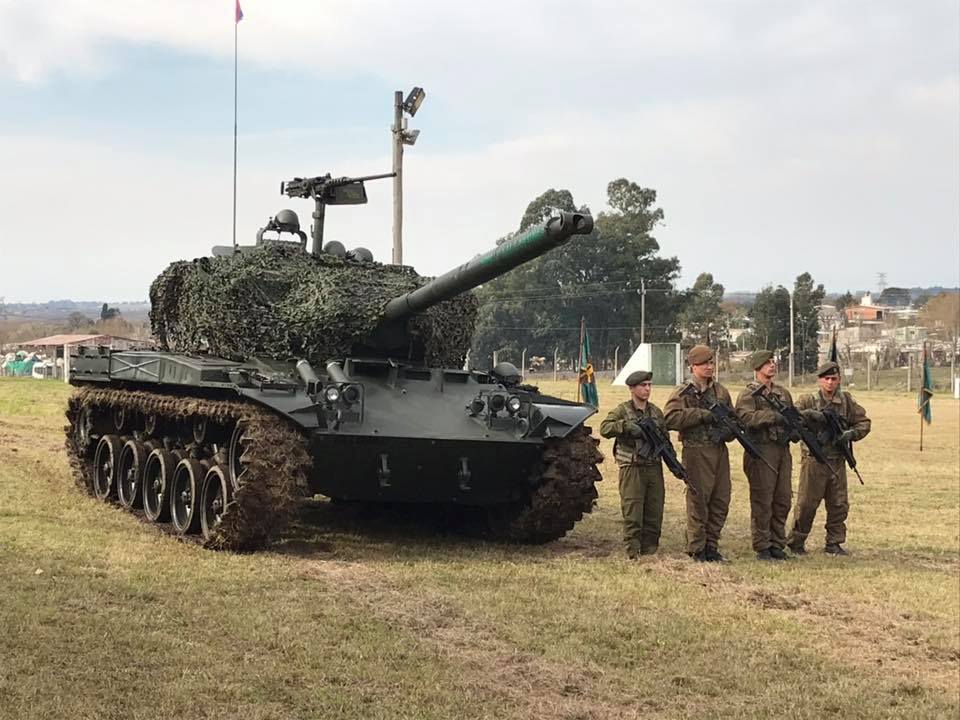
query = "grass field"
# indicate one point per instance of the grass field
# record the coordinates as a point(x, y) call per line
point(103, 617)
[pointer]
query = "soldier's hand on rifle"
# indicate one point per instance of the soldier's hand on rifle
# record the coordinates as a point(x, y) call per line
point(635, 431)
point(706, 417)
point(845, 436)
point(812, 416)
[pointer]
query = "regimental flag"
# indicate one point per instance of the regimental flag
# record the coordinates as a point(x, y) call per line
point(239, 13)
point(586, 378)
point(833, 355)
point(926, 390)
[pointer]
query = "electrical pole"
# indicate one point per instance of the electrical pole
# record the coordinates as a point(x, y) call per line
point(643, 310)
point(398, 177)
point(791, 341)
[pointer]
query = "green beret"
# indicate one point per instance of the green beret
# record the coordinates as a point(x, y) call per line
point(828, 368)
point(759, 358)
point(699, 354)
point(638, 376)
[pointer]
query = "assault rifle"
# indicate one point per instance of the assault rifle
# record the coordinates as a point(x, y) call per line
point(795, 424)
point(661, 448)
point(835, 428)
point(727, 420)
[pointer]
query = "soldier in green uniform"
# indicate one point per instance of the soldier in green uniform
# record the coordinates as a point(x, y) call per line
point(769, 491)
point(705, 454)
point(641, 478)
point(816, 481)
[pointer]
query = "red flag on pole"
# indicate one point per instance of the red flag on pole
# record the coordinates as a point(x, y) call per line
point(239, 12)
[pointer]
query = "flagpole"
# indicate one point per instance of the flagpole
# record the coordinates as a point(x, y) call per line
point(926, 399)
point(580, 358)
point(235, 26)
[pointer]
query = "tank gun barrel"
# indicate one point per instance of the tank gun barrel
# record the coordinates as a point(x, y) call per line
point(520, 248)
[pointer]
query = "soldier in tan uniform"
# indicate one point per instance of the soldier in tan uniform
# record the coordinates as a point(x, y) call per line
point(641, 478)
point(705, 454)
point(816, 481)
point(769, 491)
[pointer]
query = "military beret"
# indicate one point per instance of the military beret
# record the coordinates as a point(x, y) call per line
point(828, 368)
point(759, 358)
point(638, 376)
point(699, 354)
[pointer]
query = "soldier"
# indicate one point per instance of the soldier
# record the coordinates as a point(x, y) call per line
point(769, 491)
point(641, 479)
point(816, 481)
point(704, 454)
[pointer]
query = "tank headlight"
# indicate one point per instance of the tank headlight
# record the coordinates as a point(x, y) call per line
point(477, 406)
point(332, 394)
point(351, 394)
point(497, 403)
point(513, 404)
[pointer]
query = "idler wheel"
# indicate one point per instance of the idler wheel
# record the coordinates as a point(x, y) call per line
point(105, 465)
point(185, 492)
point(133, 461)
point(235, 463)
point(83, 431)
point(157, 480)
point(119, 419)
point(217, 492)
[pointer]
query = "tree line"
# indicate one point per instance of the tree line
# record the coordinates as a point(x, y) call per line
point(618, 278)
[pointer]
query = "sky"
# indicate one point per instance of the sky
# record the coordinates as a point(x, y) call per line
point(781, 137)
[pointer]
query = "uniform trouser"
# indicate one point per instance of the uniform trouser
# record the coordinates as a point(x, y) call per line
point(816, 484)
point(641, 502)
point(708, 470)
point(769, 495)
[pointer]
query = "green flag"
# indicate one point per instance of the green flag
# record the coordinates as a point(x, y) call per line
point(926, 390)
point(587, 380)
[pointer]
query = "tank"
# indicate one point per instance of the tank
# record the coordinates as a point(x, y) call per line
point(286, 372)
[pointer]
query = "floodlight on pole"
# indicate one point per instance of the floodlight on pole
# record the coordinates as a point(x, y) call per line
point(402, 136)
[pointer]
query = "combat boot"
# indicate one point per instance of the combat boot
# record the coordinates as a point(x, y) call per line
point(699, 556)
point(835, 549)
point(764, 555)
point(797, 549)
point(778, 554)
point(713, 555)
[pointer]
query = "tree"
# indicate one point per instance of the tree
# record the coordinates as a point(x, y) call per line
point(921, 301)
point(894, 296)
point(702, 319)
point(108, 313)
point(538, 305)
point(942, 315)
point(806, 322)
point(771, 319)
point(844, 301)
point(77, 320)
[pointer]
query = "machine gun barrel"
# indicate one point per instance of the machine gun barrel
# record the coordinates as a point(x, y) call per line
point(308, 187)
point(726, 420)
point(515, 251)
point(661, 448)
point(794, 421)
point(835, 429)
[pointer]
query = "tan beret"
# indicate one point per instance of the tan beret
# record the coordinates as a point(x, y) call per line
point(760, 358)
point(638, 376)
point(699, 354)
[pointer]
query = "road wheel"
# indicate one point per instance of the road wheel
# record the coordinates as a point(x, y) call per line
point(217, 491)
point(133, 461)
point(185, 495)
point(105, 464)
point(157, 479)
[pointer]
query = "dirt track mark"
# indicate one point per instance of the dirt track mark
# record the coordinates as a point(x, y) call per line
point(883, 642)
point(524, 684)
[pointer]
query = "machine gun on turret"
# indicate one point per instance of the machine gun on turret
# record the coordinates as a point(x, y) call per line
point(327, 190)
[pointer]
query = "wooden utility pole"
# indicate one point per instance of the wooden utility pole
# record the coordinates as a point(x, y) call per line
point(643, 310)
point(790, 364)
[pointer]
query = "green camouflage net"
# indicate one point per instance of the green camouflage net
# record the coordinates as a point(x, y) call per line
point(282, 303)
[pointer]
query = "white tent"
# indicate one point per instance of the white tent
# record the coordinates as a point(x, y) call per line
point(661, 358)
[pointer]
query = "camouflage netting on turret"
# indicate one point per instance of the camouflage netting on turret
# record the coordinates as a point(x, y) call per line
point(282, 303)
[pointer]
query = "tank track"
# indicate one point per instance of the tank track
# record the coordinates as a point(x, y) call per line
point(563, 492)
point(270, 479)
